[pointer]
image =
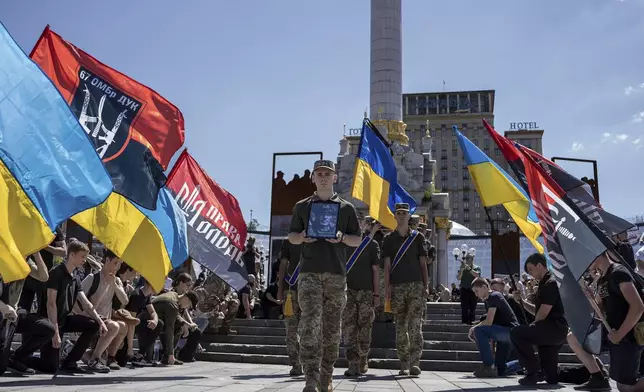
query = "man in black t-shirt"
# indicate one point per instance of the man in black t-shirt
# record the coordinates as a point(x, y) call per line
point(549, 330)
point(622, 304)
point(500, 319)
point(34, 289)
point(63, 290)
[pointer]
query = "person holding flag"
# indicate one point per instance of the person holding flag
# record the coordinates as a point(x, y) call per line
point(363, 296)
point(407, 287)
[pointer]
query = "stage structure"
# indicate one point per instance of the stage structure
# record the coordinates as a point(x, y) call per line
point(291, 183)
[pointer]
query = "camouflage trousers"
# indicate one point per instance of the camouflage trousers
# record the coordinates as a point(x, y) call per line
point(357, 323)
point(292, 335)
point(322, 298)
point(230, 314)
point(407, 303)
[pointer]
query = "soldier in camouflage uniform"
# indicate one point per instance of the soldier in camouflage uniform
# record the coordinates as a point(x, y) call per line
point(289, 259)
point(363, 295)
point(322, 281)
point(407, 287)
point(219, 299)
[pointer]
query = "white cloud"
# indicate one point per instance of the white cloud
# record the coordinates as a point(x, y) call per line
point(614, 137)
point(576, 146)
point(638, 117)
point(638, 143)
point(628, 90)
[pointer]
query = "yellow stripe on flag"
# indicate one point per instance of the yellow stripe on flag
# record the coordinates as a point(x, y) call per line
point(127, 232)
point(373, 190)
point(23, 230)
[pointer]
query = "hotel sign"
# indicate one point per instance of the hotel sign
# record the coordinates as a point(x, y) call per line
point(523, 126)
point(353, 132)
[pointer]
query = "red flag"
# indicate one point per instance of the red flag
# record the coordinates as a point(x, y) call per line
point(135, 130)
point(216, 227)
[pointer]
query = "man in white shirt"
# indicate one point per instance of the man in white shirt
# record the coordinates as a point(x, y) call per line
point(100, 289)
point(639, 260)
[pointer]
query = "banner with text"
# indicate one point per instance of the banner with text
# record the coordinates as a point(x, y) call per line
point(216, 226)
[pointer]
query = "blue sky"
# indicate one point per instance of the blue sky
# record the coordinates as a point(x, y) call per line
point(257, 77)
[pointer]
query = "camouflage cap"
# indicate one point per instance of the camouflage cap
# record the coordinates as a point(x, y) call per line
point(324, 164)
point(402, 207)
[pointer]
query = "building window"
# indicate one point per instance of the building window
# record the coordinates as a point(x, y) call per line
point(444, 174)
point(455, 205)
point(454, 173)
point(432, 133)
point(455, 164)
point(454, 152)
point(433, 152)
point(444, 153)
point(453, 143)
point(497, 151)
point(476, 142)
point(477, 225)
point(485, 102)
point(466, 175)
point(422, 106)
point(454, 184)
point(477, 215)
point(486, 142)
point(477, 203)
point(466, 216)
point(466, 197)
point(466, 205)
point(455, 215)
point(486, 151)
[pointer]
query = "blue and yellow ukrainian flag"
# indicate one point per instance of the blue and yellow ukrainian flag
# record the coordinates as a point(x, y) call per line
point(49, 169)
point(375, 180)
point(496, 187)
point(153, 242)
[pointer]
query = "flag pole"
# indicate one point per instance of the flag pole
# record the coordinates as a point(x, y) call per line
point(505, 260)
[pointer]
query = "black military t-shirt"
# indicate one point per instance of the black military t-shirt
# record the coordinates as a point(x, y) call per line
point(291, 253)
point(361, 275)
point(504, 315)
point(323, 256)
point(138, 301)
point(615, 304)
point(548, 294)
point(67, 287)
point(34, 289)
point(408, 268)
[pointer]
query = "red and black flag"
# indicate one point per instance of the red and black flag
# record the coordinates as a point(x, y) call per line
point(578, 191)
point(216, 227)
point(134, 130)
point(572, 243)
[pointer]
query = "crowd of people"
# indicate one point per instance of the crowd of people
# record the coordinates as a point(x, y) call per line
point(88, 309)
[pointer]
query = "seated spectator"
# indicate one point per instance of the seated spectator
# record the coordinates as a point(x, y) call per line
point(549, 330)
point(220, 300)
point(147, 331)
point(500, 319)
point(100, 289)
point(246, 298)
point(36, 330)
point(63, 290)
point(182, 284)
point(445, 295)
point(127, 275)
point(168, 307)
point(271, 306)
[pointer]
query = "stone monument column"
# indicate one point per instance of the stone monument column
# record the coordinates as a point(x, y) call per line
point(385, 102)
point(443, 226)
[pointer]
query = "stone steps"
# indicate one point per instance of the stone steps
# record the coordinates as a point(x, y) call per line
point(446, 346)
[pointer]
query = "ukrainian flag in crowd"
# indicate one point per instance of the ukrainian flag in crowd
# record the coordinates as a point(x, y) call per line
point(49, 169)
point(496, 187)
point(375, 180)
point(153, 242)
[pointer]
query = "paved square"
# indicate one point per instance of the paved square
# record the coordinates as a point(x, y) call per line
point(238, 377)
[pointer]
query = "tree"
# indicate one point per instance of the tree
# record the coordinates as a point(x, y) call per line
point(253, 225)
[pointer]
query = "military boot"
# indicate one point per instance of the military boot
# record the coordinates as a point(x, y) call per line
point(326, 383)
point(352, 371)
point(364, 365)
point(296, 370)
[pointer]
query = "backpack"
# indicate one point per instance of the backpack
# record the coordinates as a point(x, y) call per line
point(96, 281)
